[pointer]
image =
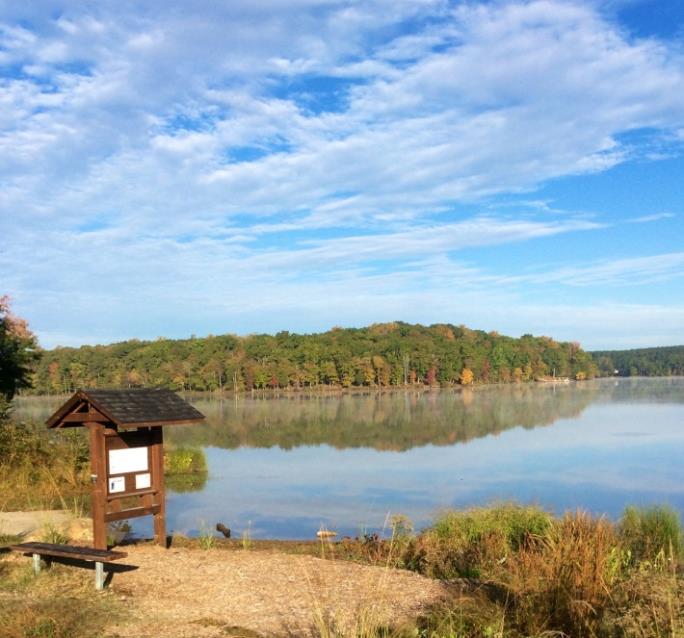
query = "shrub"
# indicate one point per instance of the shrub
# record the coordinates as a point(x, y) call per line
point(184, 460)
point(466, 543)
point(652, 533)
point(185, 469)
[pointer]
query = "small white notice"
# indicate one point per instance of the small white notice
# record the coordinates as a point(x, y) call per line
point(142, 481)
point(117, 484)
point(132, 459)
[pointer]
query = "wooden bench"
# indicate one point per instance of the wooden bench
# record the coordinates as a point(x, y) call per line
point(88, 554)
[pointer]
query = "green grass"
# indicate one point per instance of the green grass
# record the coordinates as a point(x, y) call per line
point(514, 523)
point(464, 543)
point(206, 539)
point(652, 533)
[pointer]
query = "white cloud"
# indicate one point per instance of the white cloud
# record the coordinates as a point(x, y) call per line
point(232, 149)
point(632, 271)
point(651, 218)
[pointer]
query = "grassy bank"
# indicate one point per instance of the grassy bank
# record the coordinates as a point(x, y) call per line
point(518, 572)
point(512, 571)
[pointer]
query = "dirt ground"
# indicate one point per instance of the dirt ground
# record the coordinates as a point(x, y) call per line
point(183, 593)
point(195, 593)
point(25, 523)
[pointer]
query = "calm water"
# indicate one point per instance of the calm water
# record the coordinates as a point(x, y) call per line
point(282, 467)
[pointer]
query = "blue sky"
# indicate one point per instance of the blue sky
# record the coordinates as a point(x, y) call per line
point(192, 168)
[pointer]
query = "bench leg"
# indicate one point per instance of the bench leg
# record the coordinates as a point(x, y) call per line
point(36, 564)
point(99, 576)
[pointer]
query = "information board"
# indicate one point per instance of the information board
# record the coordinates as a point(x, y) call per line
point(127, 460)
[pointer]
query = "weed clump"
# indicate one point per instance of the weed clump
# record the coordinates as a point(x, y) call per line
point(651, 534)
point(468, 544)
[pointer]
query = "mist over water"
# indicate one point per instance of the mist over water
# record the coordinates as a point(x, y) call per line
point(282, 466)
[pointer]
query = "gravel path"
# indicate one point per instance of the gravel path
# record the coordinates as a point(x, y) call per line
point(180, 593)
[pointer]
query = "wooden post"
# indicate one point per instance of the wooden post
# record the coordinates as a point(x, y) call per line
point(98, 470)
point(157, 461)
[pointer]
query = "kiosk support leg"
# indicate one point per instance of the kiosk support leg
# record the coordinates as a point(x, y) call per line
point(99, 576)
point(99, 489)
point(157, 458)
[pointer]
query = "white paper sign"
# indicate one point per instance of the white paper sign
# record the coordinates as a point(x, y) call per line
point(142, 481)
point(117, 484)
point(132, 459)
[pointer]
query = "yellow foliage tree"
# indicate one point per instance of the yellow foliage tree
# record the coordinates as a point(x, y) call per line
point(466, 376)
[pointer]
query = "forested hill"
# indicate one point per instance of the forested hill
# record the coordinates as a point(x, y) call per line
point(647, 362)
point(380, 355)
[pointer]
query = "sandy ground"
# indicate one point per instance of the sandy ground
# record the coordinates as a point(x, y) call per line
point(181, 593)
point(25, 523)
point(188, 593)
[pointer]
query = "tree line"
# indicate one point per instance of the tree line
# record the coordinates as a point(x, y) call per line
point(381, 355)
point(643, 362)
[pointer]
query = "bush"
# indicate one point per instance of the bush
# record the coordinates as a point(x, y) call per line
point(184, 460)
point(651, 534)
point(185, 469)
point(466, 543)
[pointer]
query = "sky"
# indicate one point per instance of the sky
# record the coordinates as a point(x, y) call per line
point(177, 168)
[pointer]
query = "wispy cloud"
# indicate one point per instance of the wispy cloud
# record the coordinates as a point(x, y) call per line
point(633, 271)
point(651, 218)
point(312, 155)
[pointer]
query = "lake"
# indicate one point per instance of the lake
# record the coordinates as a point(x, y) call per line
point(283, 466)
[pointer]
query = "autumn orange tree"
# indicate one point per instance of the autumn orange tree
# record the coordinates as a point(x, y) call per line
point(18, 353)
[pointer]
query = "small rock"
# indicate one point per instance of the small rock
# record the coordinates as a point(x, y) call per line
point(80, 529)
point(325, 533)
point(220, 527)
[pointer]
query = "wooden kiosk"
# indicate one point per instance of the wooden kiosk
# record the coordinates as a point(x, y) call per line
point(126, 451)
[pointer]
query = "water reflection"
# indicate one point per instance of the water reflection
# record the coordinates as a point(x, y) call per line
point(390, 421)
point(282, 466)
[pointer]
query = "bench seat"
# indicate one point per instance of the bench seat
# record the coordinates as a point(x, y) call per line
point(88, 554)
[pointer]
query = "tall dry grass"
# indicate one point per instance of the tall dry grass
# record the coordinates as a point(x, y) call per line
point(519, 572)
point(578, 576)
point(562, 580)
point(59, 604)
point(40, 470)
